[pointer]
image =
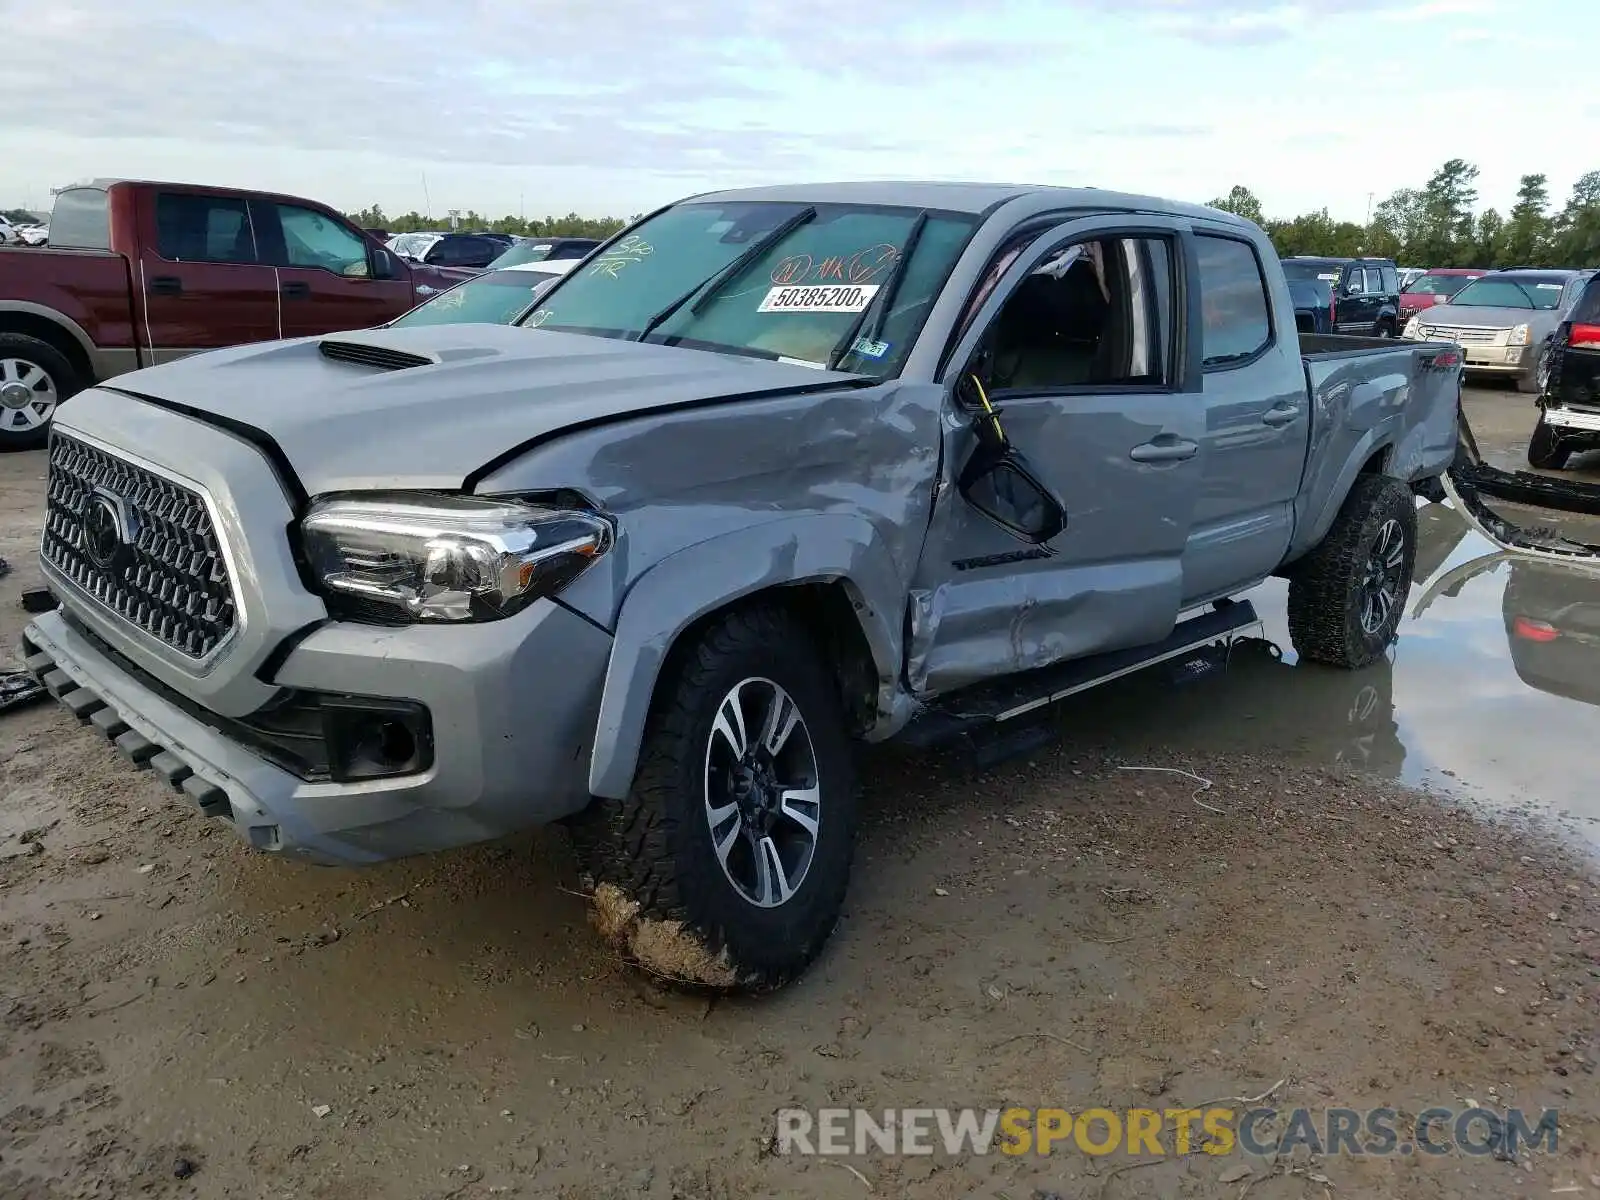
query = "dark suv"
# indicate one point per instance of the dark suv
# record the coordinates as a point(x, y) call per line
point(1569, 378)
point(467, 249)
point(1345, 295)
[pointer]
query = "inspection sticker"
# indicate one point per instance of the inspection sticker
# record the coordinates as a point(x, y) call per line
point(1548, 287)
point(824, 298)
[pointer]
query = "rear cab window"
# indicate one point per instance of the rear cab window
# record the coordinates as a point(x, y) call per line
point(1236, 311)
point(193, 227)
point(815, 294)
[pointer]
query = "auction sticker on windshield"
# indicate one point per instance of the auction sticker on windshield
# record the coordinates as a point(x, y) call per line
point(819, 298)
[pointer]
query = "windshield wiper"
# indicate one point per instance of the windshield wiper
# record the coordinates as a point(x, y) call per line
point(883, 301)
point(754, 251)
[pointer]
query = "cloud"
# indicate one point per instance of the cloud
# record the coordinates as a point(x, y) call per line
point(649, 85)
point(1259, 22)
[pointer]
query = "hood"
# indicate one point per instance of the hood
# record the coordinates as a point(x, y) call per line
point(427, 276)
point(427, 407)
point(1411, 302)
point(1491, 318)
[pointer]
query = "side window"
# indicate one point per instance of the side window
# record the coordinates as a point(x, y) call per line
point(196, 228)
point(1233, 298)
point(1092, 314)
point(1357, 280)
point(1391, 281)
point(444, 253)
point(311, 239)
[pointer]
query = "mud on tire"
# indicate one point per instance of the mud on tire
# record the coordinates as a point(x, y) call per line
point(1346, 597)
point(662, 893)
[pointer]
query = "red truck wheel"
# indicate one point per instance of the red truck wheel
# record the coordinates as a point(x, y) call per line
point(35, 378)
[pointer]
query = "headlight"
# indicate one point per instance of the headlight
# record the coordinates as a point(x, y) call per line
point(1520, 336)
point(449, 558)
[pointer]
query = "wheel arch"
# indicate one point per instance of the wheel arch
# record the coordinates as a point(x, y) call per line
point(833, 572)
point(55, 330)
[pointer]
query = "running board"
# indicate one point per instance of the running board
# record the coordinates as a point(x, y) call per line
point(989, 706)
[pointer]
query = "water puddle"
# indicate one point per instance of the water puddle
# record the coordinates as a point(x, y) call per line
point(1492, 692)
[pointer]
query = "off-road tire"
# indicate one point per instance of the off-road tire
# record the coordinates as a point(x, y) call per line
point(1325, 588)
point(655, 847)
point(63, 375)
point(1545, 448)
point(1386, 328)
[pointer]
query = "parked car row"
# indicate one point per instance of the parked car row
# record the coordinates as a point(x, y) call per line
point(1504, 321)
point(26, 233)
point(484, 251)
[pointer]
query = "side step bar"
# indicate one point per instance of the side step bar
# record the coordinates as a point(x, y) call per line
point(988, 705)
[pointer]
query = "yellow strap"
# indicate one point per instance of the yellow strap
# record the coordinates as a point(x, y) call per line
point(983, 397)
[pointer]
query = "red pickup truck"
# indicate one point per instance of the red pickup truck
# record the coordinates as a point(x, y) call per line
point(140, 273)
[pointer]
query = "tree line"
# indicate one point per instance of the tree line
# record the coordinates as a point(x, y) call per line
point(571, 225)
point(1438, 225)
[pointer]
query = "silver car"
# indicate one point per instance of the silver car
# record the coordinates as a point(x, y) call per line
point(1503, 322)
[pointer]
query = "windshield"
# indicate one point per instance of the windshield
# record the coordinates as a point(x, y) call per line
point(498, 298)
point(815, 292)
point(1439, 285)
point(1299, 272)
point(523, 252)
point(1511, 291)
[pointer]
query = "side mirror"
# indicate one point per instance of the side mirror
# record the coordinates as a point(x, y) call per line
point(1009, 494)
point(382, 265)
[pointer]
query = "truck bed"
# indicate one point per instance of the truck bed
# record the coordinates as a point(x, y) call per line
point(1367, 393)
point(91, 288)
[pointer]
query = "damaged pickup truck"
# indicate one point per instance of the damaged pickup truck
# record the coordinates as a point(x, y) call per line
point(776, 471)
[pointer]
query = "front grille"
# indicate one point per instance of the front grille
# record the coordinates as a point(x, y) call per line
point(158, 563)
point(1464, 335)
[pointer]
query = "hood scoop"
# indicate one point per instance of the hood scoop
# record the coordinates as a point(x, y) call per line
point(367, 354)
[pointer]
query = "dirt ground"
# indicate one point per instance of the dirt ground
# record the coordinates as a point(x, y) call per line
point(180, 1017)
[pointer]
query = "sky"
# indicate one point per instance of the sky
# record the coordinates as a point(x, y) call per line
point(611, 107)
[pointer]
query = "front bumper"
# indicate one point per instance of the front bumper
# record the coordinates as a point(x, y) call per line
point(513, 705)
point(1498, 360)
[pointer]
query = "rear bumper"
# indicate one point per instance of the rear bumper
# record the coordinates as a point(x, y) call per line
point(513, 707)
point(1572, 420)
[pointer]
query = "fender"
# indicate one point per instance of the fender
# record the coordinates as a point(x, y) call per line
point(1313, 526)
point(699, 579)
point(59, 319)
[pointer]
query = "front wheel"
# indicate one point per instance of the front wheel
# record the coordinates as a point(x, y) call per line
point(727, 864)
point(1385, 329)
point(1347, 596)
point(35, 378)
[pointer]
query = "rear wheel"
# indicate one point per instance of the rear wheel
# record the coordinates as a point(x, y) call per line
point(1347, 596)
point(35, 378)
point(1545, 448)
point(726, 866)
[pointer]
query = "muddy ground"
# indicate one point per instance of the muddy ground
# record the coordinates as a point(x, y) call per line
point(182, 1018)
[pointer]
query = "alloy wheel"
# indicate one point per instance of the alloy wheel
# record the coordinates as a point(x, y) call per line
point(27, 396)
point(1382, 580)
point(763, 797)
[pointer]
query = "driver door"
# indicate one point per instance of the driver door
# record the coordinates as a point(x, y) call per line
point(324, 268)
point(1083, 347)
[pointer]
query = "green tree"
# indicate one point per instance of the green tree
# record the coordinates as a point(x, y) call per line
point(1527, 233)
point(1488, 245)
point(1241, 202)
point(1397, 226)
point(1317, 233)
point(1447, 226)
point(1576, 241)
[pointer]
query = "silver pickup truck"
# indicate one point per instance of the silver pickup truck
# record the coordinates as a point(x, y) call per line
point(774, 471)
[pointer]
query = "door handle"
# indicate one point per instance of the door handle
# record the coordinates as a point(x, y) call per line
point(1283, 414)
point(295, 291)
point(1164, 448)
point(166, 285)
